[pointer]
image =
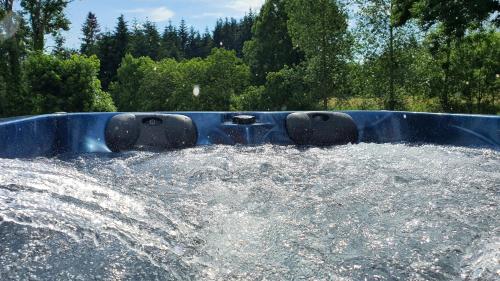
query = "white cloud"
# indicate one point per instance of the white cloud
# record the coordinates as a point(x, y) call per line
point(245, 5)
point(208, 15)
point(159, 14)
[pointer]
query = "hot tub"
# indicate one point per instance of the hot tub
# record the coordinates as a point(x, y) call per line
point(50, 135)
point(250, 196)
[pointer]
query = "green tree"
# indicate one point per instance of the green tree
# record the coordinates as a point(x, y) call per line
point(121, 39)
point(378, 36)
point(69, 85)
point(319, 28)
point(170, 43)
point(183, 35)
point(288, 89)
point(244, 32)
point(145, 85)
point(232, 34)
point(193, 44)
point(59, 49)
point(46, 17)
point(381, 47)
point(13, 32)
point(137, 40)
point(450, 20)
point(475, 64)
point(106, 54)
point(145, 41)
point(455, 16)
point(90, 32)
point(207, 44)
point(270, 47)
point(126, 89)
point(162, 86)
point(225, 33)
point(226, 76)
point(112, 47)
point(249, 100)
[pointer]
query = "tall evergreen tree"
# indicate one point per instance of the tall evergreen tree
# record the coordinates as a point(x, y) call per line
point(218, 35)
point(137, 42)
point(59, 50)
point(106, 54)
point(183, 35)
point(271, 46)
point(112, 47)
point(45, 17)
point(193, 45)
point(231, 34)
point(207, 43)
point(244, 32)
point(121, 36)
point(90, 32)
point(170, 43)
point(152, 40)
point(225, 33)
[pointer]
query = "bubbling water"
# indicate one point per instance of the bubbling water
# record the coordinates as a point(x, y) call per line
point(353, 212)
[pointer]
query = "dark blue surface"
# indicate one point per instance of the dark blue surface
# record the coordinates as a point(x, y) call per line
point(49, 135)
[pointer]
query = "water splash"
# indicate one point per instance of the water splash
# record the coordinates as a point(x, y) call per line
point(277, 213)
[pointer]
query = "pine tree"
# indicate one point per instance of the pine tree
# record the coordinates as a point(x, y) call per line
point(244, 32)
point(218, 35)
point(170, 43)
point(270, 48)
point(183, 37)
point(207, 44)
point(90, 32)
point(59, 49)
point(231, 34)
point(152, 40)
point(121, 36)
point(138, 42)
point(193, 45)
point(111, 49)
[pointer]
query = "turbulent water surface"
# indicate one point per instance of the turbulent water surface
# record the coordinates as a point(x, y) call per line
point(362, 212)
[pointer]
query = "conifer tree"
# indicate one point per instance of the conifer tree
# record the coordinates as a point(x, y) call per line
point(90, 32)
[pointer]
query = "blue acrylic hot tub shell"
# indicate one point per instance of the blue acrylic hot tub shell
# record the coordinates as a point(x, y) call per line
point(49, 135)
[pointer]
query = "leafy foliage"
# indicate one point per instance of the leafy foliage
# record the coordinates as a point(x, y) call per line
point(69, 85)
point(419, 55)
point(46, 17)
point(145, 85)
point(270, 48)
point(456, 16)
point(319, 28)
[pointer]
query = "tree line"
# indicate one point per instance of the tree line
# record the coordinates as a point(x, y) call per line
point(413, 55)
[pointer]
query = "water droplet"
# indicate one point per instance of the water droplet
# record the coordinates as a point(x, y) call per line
point(196, 90)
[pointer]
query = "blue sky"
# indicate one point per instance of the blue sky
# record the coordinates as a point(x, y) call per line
point(197, 13)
